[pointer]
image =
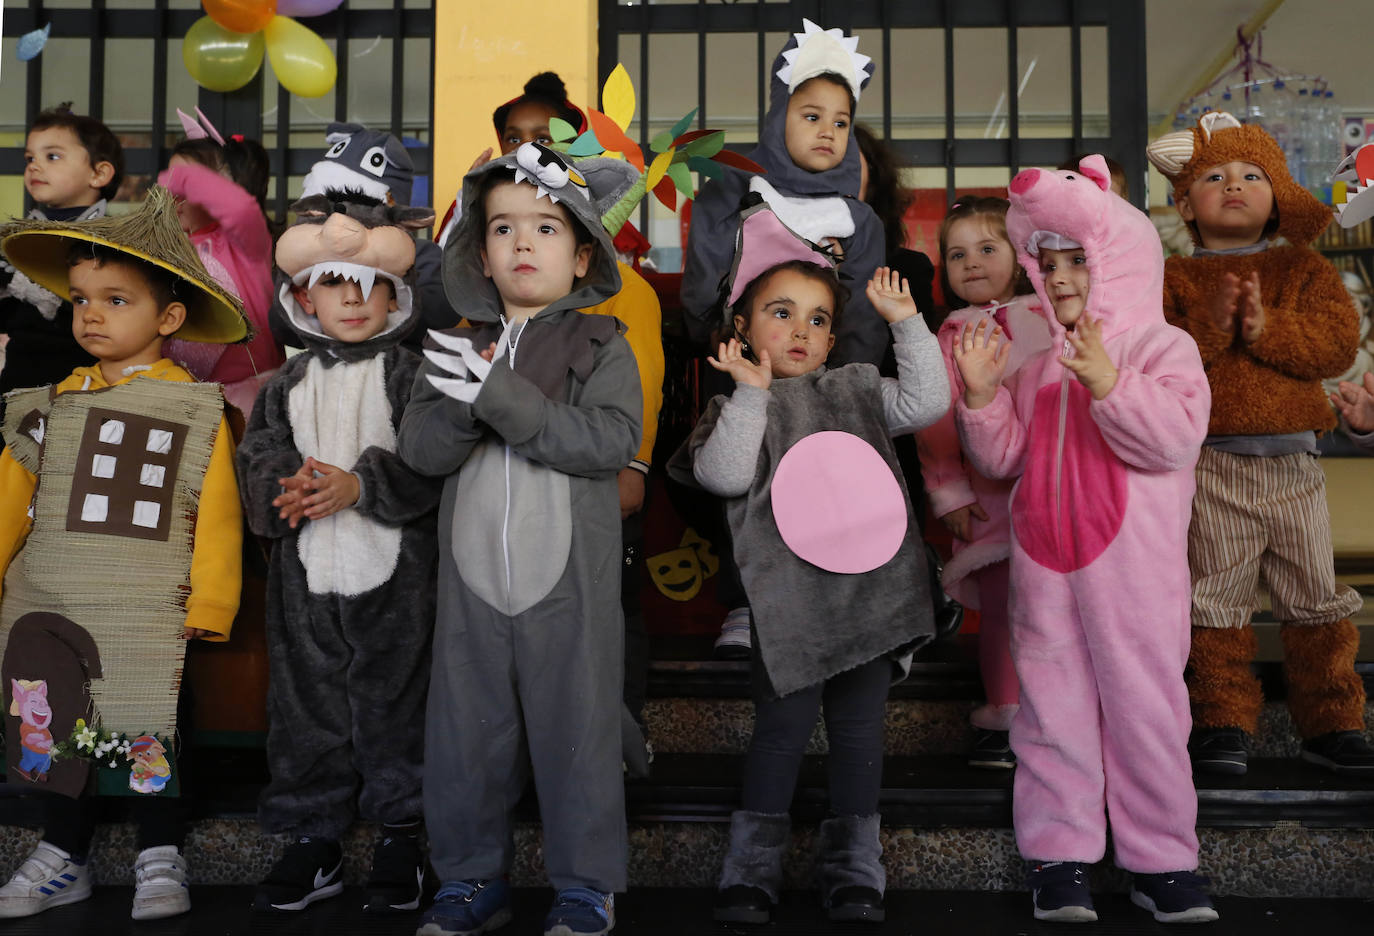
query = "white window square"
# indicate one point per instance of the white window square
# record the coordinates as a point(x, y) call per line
point(152, 475)
point(95, 508)
point(159, 441)
point(37, 431)
point(103, 466)
point(112, 431)
point(146, 514)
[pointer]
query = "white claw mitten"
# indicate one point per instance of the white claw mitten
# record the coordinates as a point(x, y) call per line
point(468, 367)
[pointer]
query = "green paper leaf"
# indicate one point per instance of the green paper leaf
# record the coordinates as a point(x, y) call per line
point(561, 130)
point(661, 142)
point(681, 126)
point(586, 145)
point(706, 167)
point(707, 146)
point(682, 178)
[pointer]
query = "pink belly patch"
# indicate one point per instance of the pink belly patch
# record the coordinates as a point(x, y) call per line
point(837, 504)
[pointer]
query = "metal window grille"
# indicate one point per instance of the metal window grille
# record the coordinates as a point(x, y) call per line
point(291, 125)
point(1123, 20)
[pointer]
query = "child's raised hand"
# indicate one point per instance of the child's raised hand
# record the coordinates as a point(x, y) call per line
point(1090, 363)
point(960, 520)
point(290, 501)
point(194, 633)
point(1222, 311)
point(981, 355)
point(1355, 402)
point(891, 296)
point(730, 358)
point(335, 489)
point(489, 354)
point(1251, 308)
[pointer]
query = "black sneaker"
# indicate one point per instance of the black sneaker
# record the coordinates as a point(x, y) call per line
point(397, 877)
point(1342, 752)
point(856, 905)
point(992, 749)
point(741, 903)
point(1218, 751)
point(1059, 892)
point(1176, 897)
point(309, 871)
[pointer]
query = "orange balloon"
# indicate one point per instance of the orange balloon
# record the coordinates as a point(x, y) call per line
point(241, 16)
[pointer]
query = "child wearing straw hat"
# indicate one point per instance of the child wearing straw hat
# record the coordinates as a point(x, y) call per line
point(132, 540)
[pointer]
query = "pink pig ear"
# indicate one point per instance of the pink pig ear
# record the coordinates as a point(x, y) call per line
point(1095, 168)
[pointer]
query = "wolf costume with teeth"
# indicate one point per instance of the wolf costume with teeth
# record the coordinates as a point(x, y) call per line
point(350, 603)
point(528, 641)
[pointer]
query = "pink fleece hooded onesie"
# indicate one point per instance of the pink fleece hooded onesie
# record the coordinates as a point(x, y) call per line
point(1099, 566)
point(976, 574)
point(237, 244)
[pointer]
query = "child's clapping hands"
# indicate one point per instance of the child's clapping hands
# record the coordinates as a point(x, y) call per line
point(891, 296)
point(1090, 363)
point(1239, 297)
point(1355, 403)
point(305, 496)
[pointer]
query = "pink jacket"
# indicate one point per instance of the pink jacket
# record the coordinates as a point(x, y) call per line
point(1091, 468)
point(240, 242)
point(950, 481)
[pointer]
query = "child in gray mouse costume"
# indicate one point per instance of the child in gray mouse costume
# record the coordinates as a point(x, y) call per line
point(528, 416)
point(350, 602)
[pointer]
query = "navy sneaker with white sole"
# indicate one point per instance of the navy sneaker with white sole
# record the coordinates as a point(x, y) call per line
point(1060, 892)
point(1175, 897)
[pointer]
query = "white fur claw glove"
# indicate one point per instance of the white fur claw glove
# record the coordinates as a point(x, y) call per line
point(26, 290)
point(468, 367)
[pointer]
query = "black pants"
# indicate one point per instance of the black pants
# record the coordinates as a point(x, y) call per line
point(636, 639)
point(70, 823)
point(854, 704)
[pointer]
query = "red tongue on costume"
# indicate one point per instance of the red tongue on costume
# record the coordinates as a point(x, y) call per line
point(1364, 165)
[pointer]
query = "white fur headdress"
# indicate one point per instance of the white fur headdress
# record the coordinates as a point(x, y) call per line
point(823, 50)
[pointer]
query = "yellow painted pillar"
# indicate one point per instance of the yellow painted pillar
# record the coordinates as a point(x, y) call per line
point(484, 52)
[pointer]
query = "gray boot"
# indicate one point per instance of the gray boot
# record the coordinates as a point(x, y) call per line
point(850, 868)
point(757, 844)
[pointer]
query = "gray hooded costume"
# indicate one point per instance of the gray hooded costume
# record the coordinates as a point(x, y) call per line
point(350, 597)
point(528, 641)
point(863, 336)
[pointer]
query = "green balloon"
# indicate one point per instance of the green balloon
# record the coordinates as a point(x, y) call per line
point(220, 60)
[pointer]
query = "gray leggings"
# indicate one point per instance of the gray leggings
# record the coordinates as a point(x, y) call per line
point(853, 705)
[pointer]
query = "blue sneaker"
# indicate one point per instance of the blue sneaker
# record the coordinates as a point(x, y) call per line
point(580, 911)
point(1059, 891)
point(1176, 897)
point(465, 908)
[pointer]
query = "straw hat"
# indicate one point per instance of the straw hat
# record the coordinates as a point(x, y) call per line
point(38, 248)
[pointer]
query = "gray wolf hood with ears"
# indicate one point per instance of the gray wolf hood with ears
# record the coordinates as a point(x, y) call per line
point(474, 295)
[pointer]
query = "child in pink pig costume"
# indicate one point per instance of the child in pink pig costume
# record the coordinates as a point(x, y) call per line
point(1104, 430)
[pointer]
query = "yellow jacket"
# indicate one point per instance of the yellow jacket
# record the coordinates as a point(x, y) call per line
point(637, 306)
point(216, 575)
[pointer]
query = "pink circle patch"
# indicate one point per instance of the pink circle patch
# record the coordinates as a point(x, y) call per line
point(837, 503)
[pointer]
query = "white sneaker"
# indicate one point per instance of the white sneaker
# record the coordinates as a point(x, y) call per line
point(734, 642)
point(48, 878)
point(160, 884)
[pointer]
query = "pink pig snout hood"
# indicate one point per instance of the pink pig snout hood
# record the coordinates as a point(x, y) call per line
point(1122, 249)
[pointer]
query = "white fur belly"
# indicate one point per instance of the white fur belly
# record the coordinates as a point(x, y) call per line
point(337, 413)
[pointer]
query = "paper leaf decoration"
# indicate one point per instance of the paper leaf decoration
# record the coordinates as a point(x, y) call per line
point(658, 169)
point(31, 43)
point(614, 139)
point(708, 145)
point(586, 145)
point(682, 178)
point(618, 98)
point(662, 142)
point(737, 161)
point(706, 167)
point(665, 192)
point(561, 130)
point(681, 126)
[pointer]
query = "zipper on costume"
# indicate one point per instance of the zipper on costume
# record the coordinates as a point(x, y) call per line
point(1059, 452)
point(505, 520)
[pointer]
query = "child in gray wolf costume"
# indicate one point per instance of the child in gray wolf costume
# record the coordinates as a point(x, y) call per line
point(350, 594)
point(528, 642)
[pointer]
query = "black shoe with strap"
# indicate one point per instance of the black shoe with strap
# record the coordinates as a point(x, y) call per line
point(741, 903)
point(1218, 751)
point(856, 905)
point(992, 750)
point(310, 870)
point(1342, 752)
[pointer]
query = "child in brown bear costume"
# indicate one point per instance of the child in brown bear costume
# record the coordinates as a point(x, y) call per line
point(1271, 321)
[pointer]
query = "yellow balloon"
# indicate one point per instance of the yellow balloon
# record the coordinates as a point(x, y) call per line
point(303, 63)
point(218, 59)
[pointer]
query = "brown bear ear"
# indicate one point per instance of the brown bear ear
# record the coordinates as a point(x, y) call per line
point(313, 207)
point(412, 219)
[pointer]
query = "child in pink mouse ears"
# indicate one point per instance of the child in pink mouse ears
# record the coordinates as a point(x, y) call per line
point(828, 550)
point(978, 267)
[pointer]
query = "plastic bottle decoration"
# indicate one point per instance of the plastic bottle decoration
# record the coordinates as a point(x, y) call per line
point(678, 151)
point(223, 50)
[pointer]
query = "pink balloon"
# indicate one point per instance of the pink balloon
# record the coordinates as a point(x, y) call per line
point(837, 504)
point(305, 7)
